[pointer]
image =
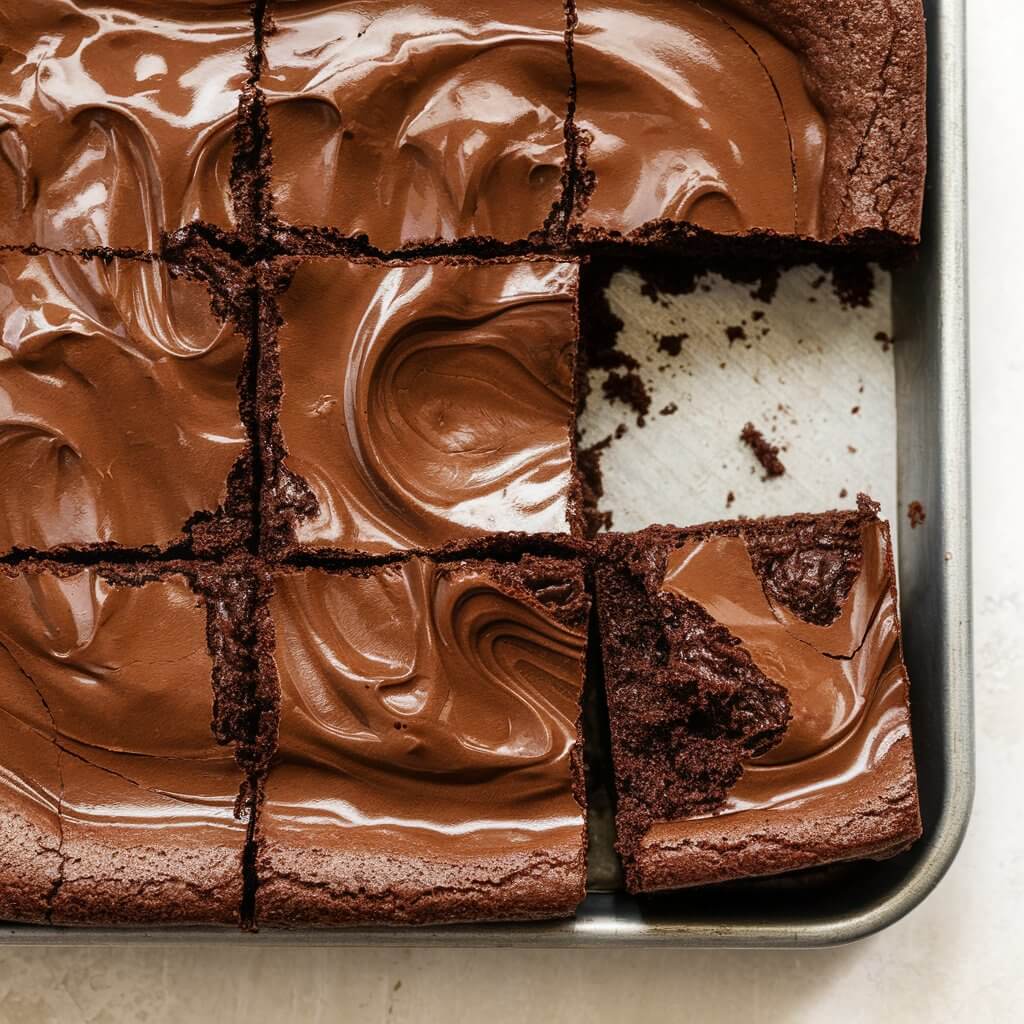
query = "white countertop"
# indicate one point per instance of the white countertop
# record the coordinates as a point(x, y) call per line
point(957, 957)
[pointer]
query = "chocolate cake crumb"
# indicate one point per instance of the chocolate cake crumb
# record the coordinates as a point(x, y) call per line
point(629, 389)
point(851, 449)
point(735, 333)
point(767, 454)
point(916, 514)
point(588, 463)
point(672, 343)
point(669, 409)
point(843, 493)
point(729, 499)
point(885, 339)
point(855, 410)
point(758, 314)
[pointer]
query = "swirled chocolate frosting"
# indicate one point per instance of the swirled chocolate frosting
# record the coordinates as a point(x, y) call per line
point(118, 407)
point(117, 118)
point(426, 762)
point(116, 803)
point(416, 121)
point(429, 403)
point(691, 112)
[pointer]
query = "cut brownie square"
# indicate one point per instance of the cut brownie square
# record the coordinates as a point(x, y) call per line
point(424, 403)
point(119, 412)
point(788, 116)
point(428, 768)
point(757, 697)
point(414, 122)
point(117, 118)
point(117, 805)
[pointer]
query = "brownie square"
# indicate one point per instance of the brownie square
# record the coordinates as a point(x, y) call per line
point(787, 116)
point(424, 403)
point(117, 118)
point(119, 412)
point(117, 806)
point(415, 122)
point(757, 697)
point(428, 765)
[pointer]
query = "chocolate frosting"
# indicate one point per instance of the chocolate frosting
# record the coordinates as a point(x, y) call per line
point(417, 121)
point(426, 709)
point(696, 114)
point(105, 708)
point(117, 119)
point(845, 680)
point(428, 403)
point(118, 407)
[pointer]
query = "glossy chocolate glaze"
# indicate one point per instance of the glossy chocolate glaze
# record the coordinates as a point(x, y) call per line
point(107, 760)
point(845, 679)
point(691, 112)
point(416, 121)
point(427, 732)
point(430, 402)
point(116, 118)
point(118, 406)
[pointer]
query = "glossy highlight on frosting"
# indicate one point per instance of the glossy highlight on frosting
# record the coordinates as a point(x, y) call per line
point(423, 705)
point(426, 403)
point(118, 403)
point(117, 118)
point(416, 121)
point(107, 759)
point(691, 112)
point(845, 680)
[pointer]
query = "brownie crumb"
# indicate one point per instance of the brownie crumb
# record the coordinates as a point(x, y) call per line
point(855, 410)
point(758, 314)
point(629, 389)
point(851, 449)
point(672, 343)
point(735, 333)
point(843, 493)
point(767, 454)
point(669, 409)
point(885, 339)
point(588, 462)
point(729, 499)
point(916, 514)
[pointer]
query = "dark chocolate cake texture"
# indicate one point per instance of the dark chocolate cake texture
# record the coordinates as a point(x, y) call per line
point(757, 697)
point(216, 371)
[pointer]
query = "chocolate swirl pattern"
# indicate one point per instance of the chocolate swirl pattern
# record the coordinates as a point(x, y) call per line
point(429, 403)
point(845, 680)
point(425, 699)
point(116, 119)
point(109, 764)
point(693, 113)
point(417, 121)
point(78, 467)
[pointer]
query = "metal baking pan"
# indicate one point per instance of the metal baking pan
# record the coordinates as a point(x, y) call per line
point(927, 400)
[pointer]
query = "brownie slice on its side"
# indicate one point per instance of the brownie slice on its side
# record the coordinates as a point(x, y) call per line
point(428, 768)
point(757, 697)
point(418, 405)
point(117, 804)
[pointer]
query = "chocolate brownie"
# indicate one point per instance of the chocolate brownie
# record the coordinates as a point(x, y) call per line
point(117, 118)
point(117, 805)
point(121, 420)
point(415, 122)
point(428, 766)
point(757, 697)
point(788, 116)
point(421, 404)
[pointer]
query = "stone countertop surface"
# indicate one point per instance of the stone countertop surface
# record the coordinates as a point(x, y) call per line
point(957, 957)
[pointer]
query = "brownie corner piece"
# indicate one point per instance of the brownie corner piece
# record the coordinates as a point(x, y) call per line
point(428, 768)
point(124, 422)
point(117, 804)
point(791, 120)
point(757, 697)
point(420, 405)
